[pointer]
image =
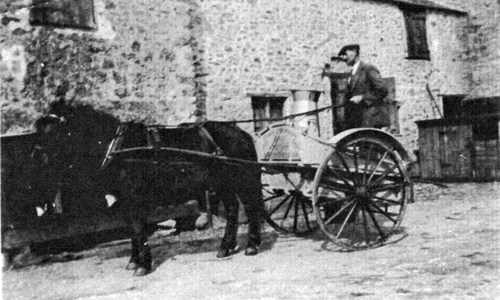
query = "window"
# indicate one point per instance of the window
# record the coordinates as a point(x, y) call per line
point(266, 108)
point(452, 105)
point(485, 129)
point(63, 13)
point(416, 32)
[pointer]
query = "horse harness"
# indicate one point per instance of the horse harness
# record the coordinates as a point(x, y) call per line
point(154, 140)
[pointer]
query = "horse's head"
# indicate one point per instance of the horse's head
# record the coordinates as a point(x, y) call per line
point(73, 136)
point(52, 131)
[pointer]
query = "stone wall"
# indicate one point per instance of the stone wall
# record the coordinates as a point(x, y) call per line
point(174, 61)
point(139, 64)
point(483, 45)
point(275, 46)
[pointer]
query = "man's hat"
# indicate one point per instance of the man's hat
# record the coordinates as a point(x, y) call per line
point(353, 47)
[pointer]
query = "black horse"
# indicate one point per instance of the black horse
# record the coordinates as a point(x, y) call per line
point(22, 166)
point(143, 178)
point(17, 174)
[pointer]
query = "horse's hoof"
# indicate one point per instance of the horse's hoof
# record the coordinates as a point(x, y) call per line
point(140, 271)
point(251, 251)
point(131, 266)
point(223, 253)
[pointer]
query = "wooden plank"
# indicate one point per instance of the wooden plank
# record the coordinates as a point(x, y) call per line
point(429, 147)
point(465, 151)
point(425, 158)
point(435, 152)
point(443, 136)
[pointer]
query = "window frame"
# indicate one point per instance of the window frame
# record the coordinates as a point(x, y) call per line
point(73, 14)
point(264, 104)
point(415, 19)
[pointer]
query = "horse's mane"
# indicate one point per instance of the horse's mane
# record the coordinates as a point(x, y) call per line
point(86, 130)
point(80, 111)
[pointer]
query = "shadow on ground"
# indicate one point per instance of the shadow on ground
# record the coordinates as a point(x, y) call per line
point(164, 244)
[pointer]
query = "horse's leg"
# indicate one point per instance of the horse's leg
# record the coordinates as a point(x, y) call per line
point(133, 263)
point(253, 210)
point(229, 242)
point(140, 261)
point(142, 252)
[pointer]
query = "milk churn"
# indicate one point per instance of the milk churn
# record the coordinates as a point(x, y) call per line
point(303, 101)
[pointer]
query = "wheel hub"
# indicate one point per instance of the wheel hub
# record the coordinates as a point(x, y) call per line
point(363, 194)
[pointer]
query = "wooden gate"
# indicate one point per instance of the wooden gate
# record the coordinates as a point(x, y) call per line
point(459, 149)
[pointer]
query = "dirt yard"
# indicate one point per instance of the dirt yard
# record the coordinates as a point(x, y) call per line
point(448, 249)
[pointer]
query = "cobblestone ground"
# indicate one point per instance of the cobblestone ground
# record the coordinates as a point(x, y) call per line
point(449, 250)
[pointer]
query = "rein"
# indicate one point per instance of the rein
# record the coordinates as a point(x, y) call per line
point(310, 112)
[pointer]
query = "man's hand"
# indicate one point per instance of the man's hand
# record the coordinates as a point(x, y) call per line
point(356, 99)
point(326, 70)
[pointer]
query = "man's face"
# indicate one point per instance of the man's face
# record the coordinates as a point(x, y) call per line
point(350, 57)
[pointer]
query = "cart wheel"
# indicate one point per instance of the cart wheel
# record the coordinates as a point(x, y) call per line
point(360, 193)
point(289, 213)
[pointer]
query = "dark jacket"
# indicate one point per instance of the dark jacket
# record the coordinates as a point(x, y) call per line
point(370, 112)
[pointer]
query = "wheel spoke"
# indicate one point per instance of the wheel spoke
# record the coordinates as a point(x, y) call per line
point(353, 234)
point(378, 165)
point(279, 205)
point(386, 214)
point(287, 211)
point(365, 225)
point(387, 172)
point(306, 217)
point(335, 186)
point(386, 187)
point(339, 211)
point(296, 213)
point(367, 161)
point(338, 176)
point(374, 220)
point(387, 201)
point(344, 163)
point(330, 201)
point(355, 159)
point(345, 221)
point(272, 198)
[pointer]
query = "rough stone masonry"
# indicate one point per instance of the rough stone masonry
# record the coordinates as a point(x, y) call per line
point(173, 61)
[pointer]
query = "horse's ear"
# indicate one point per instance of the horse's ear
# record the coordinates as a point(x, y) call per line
point(57, 105)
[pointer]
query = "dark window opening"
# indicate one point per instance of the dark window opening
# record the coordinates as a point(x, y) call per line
point(485, 130)
point(63, 13)
point(265, 108)
point(452, 106)
point(416, 33)
point(481, 106)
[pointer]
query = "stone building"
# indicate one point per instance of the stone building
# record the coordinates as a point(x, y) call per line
point(172, 61)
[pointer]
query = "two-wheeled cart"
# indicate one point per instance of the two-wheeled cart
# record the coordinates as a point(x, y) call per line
point(354, 187)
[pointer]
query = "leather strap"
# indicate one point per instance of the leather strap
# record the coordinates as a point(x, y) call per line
point(207, 134)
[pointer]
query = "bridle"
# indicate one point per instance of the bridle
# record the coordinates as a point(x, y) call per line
point(40, 147)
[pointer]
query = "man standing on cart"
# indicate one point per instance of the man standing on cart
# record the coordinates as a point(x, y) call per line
point(365, 92)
